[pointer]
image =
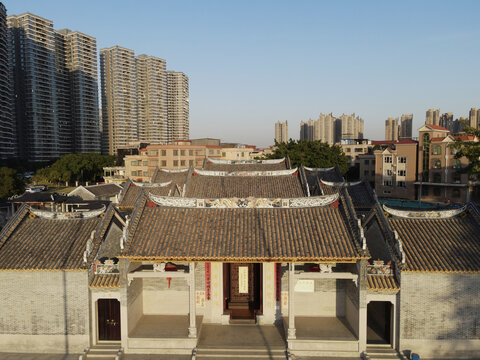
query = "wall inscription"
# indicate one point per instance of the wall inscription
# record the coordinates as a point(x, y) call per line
point(243, 279)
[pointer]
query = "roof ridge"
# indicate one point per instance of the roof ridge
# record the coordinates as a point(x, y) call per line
point(11, 225)
point(132, 223)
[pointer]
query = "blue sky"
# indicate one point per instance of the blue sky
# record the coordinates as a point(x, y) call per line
point(252, 63)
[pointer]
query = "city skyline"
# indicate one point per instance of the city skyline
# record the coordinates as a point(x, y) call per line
point(383, 61)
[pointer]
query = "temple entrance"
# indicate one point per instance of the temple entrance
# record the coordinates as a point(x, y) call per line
point(379, 322)
point(242, 290)
point(108, 319)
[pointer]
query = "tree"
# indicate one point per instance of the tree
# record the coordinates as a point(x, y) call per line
point(314, 154)
point(471, 150)
point(10, 183)
point(76, 167)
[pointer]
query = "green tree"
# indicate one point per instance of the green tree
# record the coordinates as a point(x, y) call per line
point(10, 183)
point(471, 150)
point(76, 167)
point(315, 154)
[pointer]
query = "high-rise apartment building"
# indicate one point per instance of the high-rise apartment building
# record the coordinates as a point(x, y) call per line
point(7, 129)
point(474, 118)
point(119, 98)
point(307, 130)
point(281, 131)
point(330, 129)
point(405, 131)
point(81, 64)
point(352, 127)
point(32, 57)
point(326, 126)
point(55, 96)
point(391, 129)
point(446, 121)
point(152, 99)
point(178, 106)
point(432, 117)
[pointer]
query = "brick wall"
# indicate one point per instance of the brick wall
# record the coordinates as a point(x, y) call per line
point(440, 314)
point(44, 311)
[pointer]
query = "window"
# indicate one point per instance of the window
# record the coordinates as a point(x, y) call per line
point(224, 154)
point(182, 163)
point(426, 157)
point(436, 150)
point(401, 184)
point(348, 150)
point(437, 191)
point(387, 159)
point(457, 164)
point(164, 152)
point(387, 192)
point(145, 173)
point(182, 152)
point(402, 160)
point(373, 172)
point(424, 191)
point(152, 153)
point(164, 162)
point(360, 150)
point(388, 172)
point(457, 178)
point(190, 152)
point(145, 163)
point(387, 182)
point(366, 162)
point(134, 163)
point(175, 162)
point(456, 193)
point(175, 152)
point(190, 162)
point(402, 172)
point(437, 177)
point(134, 173)
point(436, 164)
point(365, 172)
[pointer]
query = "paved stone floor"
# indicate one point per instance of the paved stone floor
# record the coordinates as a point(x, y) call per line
point(241, 336)
point(163, 326)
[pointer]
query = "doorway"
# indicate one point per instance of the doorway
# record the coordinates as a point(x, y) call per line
point(242, 290)
point(108, 319)
point(379, 322)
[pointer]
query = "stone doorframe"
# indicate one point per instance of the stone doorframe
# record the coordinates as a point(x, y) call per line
point(94, 297)
point(392, 299)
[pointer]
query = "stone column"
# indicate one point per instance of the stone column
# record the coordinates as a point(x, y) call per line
point(291, 292)
point(362, 305)
point(192, 329)
point(269, 301)
point(123, 267)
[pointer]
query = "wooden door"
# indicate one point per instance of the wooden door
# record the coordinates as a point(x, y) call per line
point(243, 290)
point(108, 319)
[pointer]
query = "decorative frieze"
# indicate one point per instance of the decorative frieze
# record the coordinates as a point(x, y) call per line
point(54, 215)
point(424, 214)
point(247, 162)
point(313, 201)
point(245, 173)
point(152, 185)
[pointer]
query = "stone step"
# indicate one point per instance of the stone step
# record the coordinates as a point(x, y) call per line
point(240, 353)
point(382, 352)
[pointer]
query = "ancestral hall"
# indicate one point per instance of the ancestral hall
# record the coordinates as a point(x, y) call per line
point(295, 249)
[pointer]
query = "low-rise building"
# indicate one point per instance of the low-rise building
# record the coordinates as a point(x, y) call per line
point(395, 168)
point(367, 167)
point(440, 177)
point(179, 155)
point(352, 148)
